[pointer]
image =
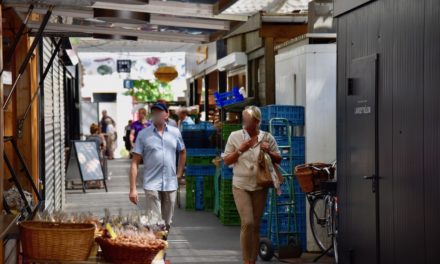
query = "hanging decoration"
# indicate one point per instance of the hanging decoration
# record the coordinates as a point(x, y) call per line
point(166, 74)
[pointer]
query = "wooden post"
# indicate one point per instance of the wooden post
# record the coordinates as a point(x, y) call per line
point(269, 56)
point(1, 128)
point(206, 89)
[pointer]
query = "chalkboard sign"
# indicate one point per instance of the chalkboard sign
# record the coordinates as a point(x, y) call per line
point(86, 153)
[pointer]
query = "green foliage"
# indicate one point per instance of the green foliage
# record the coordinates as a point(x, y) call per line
point(150, 91)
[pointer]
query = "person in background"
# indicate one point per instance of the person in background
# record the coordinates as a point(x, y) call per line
point(101, 146)
point(111, 139)
point(99, 138)
point(139, 125)
point(169, 120)
point(103, 123)
point(157, 145)
point(242, 151)
point(127, 133)
point(184, 118)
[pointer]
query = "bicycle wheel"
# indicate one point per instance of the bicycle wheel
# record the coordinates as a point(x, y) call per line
point(335, 230)
point(319, 216)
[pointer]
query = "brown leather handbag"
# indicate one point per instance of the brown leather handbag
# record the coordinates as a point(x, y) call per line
point(265, 177)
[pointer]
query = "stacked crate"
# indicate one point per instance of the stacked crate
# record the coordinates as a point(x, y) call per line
point(227, 129)
point(228, 210)
point(291, 157)
point(200, 170)
point(198, 135)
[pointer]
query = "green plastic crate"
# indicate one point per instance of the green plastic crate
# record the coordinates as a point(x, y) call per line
point(190, 200)
point(230, 220)
point(208, 185)
point(208, 202)
point(190, 194)
point(208, 193)
point(226, 186)
point(196, 160)
point(227, 129)
point(217, 191)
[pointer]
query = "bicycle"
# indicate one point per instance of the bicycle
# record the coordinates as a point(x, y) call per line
point(323, 212)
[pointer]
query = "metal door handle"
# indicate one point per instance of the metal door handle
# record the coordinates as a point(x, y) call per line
point(374, 182)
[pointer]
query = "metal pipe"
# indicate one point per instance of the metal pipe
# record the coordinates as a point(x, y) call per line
point(17, 183)
point(29, 55)
point(11, 50)
point(26, 169)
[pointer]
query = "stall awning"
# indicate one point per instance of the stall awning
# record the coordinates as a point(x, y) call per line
point(233, 60)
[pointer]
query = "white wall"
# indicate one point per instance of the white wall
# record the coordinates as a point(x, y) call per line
point(192, 68)
point(89, 115)
point(315, 88)
point(122, 110)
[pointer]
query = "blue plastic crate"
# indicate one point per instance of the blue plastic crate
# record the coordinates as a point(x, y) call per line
point(263, 227)
point(228, 98)
point(201, 152)
point(200, 170)
point(302, 223)
point(297, 188)
point(295, 114)
point(226, 172)
point(199, 203)
point(283, 224)
point(195, 134)
point(198, 192)
point(283, 240)
point(300, 204)
point(298, 161)
point(303, 241)
point(298, 146)
point(278, 128)
point(282, 140)
point(203, 126)
point(197, 143)
point(286, 164)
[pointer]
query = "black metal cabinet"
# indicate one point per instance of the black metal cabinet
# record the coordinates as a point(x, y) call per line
point(399, 222)
point(362, 178)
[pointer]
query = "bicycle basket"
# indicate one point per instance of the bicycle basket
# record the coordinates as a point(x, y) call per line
point(310, 179)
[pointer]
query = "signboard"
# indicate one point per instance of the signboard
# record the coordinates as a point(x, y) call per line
point(128, 84)
point(123, 66)
point(89, 163)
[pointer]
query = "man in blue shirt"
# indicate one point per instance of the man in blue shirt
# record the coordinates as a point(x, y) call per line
point(158, 145)
point(184, 118)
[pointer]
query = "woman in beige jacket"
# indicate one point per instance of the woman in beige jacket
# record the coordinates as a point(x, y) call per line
point(242, 150)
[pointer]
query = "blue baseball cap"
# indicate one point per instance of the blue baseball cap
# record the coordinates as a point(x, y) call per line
point(160, 106)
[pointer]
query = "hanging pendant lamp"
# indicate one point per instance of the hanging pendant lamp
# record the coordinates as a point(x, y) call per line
point(166, 74)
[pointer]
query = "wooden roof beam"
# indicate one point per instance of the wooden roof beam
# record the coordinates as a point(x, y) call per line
point(222, 5)
point(158, 36)
point(174, 9)
point(156, 19)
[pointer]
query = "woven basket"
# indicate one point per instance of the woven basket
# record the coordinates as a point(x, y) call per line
point(56, 241)
point(309, 179)
point(114, 252)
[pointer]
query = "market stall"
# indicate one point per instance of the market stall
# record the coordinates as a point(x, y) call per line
point(83, 238)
